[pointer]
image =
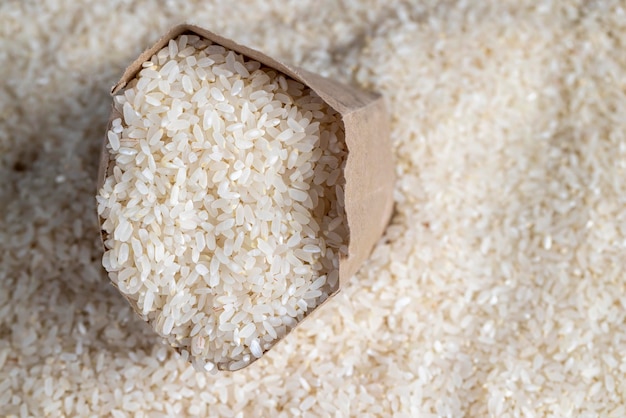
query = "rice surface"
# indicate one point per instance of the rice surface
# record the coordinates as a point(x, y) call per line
point(223, 210)
point(497, 291)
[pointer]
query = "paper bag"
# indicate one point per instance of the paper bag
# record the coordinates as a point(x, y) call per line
point(369, 170)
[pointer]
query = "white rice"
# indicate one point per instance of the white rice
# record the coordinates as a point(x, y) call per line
point(508, 127)
point(266, 229)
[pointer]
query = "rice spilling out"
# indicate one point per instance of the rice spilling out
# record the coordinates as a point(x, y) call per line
point(223, 204)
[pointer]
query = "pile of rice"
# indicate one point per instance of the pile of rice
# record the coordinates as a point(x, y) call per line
point(223, 211)
point(498, 290)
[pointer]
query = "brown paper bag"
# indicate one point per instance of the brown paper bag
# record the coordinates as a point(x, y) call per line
point(369, 171)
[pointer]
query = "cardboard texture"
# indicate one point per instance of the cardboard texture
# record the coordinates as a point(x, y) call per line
point(369, 173)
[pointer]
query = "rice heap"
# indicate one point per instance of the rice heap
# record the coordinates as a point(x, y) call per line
point(498, 291)
point(223, 207)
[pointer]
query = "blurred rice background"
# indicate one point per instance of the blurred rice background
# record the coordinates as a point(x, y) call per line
point(498, 290)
